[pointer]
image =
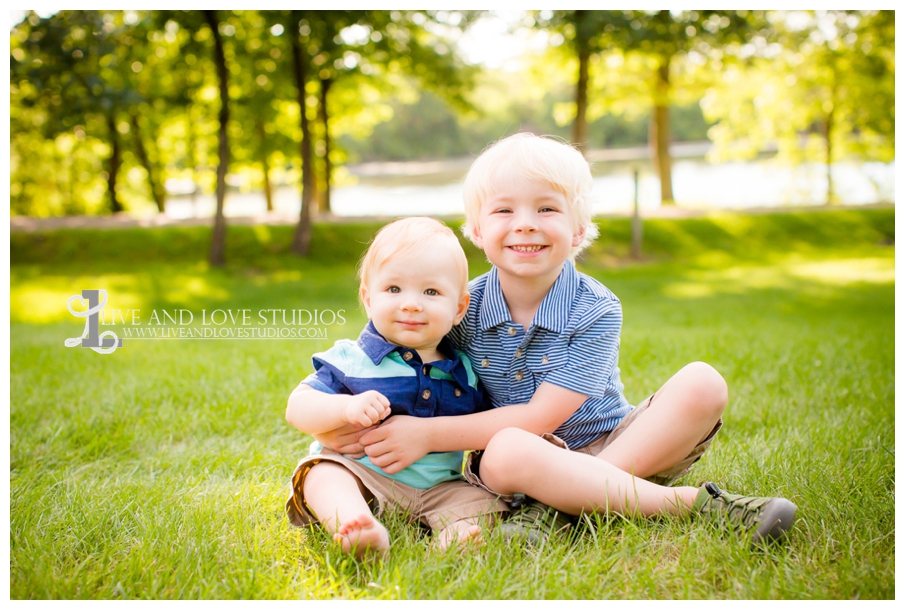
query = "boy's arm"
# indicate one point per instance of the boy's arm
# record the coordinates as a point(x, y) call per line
point(403, 440)
point(315, 412)
point(593, 353)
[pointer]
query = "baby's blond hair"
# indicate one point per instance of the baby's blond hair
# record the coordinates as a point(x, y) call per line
point(536, 158)
point(406, 236)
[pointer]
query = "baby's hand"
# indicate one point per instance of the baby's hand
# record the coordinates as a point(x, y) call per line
point(367, 408)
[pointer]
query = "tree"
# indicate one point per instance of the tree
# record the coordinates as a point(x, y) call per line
point(298, 27)
point(639, 57)
point(584, 32)
point(218, 240)
point(386, 43)
point(153, 82)
point(821, 89)
point(376, 45)
point(75, 66)
point(267, 135)
point(129, 62)
point(665, 37)
point(205, 25)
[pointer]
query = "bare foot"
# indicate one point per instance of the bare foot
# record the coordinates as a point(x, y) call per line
point(459, 533)
point(363, 535)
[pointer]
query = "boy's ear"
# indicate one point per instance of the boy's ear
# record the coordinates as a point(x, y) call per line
point(578, 237)
point(462, 308)
point(476, 236)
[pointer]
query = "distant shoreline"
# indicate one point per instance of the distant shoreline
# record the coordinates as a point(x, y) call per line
point(127, 220)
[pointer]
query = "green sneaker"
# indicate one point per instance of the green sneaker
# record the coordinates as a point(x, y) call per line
point(766, 518)
point(534, 522)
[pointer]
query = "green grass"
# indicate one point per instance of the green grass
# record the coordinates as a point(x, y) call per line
point(160, 471)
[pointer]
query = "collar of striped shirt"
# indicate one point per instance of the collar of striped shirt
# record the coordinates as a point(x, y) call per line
point(553, 311)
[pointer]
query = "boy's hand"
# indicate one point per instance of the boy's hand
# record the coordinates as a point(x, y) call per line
point(366, 409)
point(397, 443)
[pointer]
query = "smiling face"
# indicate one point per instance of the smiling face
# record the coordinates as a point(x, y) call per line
point(415, 300)
point(552, 165)
point(526, 229)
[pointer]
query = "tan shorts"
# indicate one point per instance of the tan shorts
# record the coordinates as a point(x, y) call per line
point(665, 477)
point(436, 507)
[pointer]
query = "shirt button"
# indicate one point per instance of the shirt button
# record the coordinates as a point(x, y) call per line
point(407, 356)
point(485, 362)
point(511, 331)
point(426, 394)
point(543, 360)
point(518, 376)
point(424, 370)
point(458, 392)
point(518, 353)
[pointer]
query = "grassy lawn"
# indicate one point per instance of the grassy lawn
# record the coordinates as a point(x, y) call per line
point(160, 471)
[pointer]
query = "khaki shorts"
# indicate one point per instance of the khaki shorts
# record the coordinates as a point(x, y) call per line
point(436, 507)
point(665, 477)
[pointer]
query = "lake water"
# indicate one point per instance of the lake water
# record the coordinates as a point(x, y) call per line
point(435, 188)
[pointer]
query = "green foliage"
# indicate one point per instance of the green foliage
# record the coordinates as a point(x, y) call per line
point(430, 128)
point(398, 90)
point(823, 80)
point(77, 72)
point(160, 471)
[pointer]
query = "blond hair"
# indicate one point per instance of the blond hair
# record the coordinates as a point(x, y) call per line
point(407, 236)
point(536, 158)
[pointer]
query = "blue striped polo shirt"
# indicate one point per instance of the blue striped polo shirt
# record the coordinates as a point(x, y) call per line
point(443, 387)
point(573, 342)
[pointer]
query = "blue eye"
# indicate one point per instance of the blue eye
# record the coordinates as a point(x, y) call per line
point(394, 289)
point(432, 292)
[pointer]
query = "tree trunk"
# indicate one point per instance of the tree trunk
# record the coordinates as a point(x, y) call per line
point(113, 164)
point(301, 241)
point(268, 187)
point(659, 133)
point(192, 158)
point(828, 127)
point(328, 168)
point(218, 241)
point(828, 135)
point(265, 165)
point(580, 125)
point(71, 208)
point(156, 191)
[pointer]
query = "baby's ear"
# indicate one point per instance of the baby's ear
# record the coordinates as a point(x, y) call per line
point(462, 308)
point(365, 300)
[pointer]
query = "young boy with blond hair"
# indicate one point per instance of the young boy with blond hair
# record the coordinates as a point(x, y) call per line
point(414, 287)
point(545, 342)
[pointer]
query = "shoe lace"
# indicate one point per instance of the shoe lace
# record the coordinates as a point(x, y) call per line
point(740, 510)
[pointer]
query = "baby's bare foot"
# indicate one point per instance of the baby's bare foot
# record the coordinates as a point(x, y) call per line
point(460, 533)
point(363, 535)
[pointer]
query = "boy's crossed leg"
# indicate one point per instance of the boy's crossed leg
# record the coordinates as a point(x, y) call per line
point(659, 440)
point(679, 417)
point(517, 461)
point(573, 482)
